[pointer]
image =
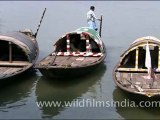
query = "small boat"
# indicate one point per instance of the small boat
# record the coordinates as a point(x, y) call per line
point(18, 52)
point(75, 53)
point(138, 70)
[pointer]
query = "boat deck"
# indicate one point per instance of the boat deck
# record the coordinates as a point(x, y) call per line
point(5, 71)
point(132, 81)
point(7, 68)
point(68, 61)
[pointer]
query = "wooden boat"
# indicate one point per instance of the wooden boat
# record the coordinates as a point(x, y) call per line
point(18, 52)
point(132, 74)
point(76, 53)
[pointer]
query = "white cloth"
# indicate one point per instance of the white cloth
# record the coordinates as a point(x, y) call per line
point(148, 57)
point(148, 61)
point(91, 17)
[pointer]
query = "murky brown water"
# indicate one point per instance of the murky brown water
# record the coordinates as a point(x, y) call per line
point(123, 22)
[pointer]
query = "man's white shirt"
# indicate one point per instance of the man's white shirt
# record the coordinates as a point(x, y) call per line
point(91, 16)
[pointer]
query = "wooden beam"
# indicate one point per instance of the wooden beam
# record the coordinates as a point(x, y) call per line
point(159, 58)
point(132, 69)
point(10, 52)
point(136, 60)
point(14, 63)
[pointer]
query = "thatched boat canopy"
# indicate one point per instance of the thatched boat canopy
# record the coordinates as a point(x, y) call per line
point(22, 46)
point(18, 52)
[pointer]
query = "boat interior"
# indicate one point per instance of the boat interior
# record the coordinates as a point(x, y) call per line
point(12, 58)
point(17, 53)
point(77, 43)
point(129, 60)
point(132, 72)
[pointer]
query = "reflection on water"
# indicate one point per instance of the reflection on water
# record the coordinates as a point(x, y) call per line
point(14, 94)
point(149, 112)
point(123, 22)
point(65, 90)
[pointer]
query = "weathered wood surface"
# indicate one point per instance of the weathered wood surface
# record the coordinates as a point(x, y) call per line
point(14, 63)
point(68, 61)
point(46, 61)
point(9, 70)
point(129, 80)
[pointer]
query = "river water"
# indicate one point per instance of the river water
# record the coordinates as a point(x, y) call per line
point(123, 22)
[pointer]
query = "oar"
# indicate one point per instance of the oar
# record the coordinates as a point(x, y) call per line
point(100, 27)
point(40, 23)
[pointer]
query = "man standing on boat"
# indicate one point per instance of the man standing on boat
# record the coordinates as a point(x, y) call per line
point(91, 17)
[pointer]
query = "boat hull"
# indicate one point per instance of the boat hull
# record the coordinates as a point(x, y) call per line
point(68, 72)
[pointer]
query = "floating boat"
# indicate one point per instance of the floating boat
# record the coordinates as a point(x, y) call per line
point(18, 52)
point(75, 53)
point(132, 73)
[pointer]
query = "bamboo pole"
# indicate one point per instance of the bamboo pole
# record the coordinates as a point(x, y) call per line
point(10, 52)
point(100, 27)
point(40, 23)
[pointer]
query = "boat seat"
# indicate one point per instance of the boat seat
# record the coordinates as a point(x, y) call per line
point(14, 63)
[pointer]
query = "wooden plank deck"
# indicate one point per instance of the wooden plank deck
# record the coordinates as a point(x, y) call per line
point(4, 71)
point(47, 60)
point(128, 80)
point(75, 61)
point(85, 61)
point(68, 61)
point(90, 60)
